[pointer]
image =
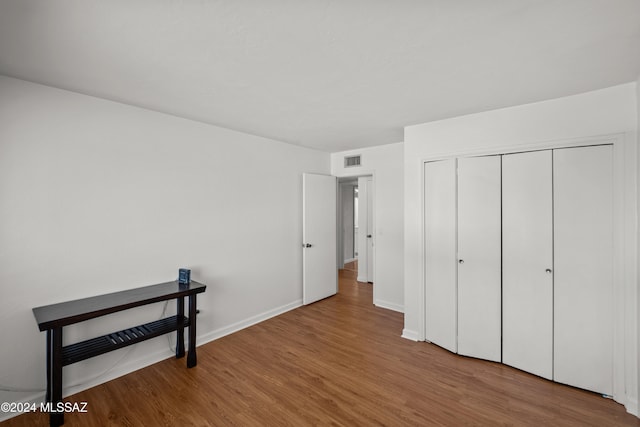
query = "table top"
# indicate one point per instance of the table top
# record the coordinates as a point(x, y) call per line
point(70, 312)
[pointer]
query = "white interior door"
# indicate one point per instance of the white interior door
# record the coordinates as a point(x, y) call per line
point(320, 274)
point(583, 278)
point(440, 253)
point(527, 281)
point(370, 231)
point(363, 229)
point(479, 257)
point(356, 219)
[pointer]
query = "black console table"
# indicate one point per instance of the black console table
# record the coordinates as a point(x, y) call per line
point(52, 318)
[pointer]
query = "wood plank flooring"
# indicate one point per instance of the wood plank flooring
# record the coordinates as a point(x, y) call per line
point(340, 361)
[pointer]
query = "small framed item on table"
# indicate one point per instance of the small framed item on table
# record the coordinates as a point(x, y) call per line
point(184, 276)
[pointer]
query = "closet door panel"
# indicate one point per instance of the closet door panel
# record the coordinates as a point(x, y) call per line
point(527, 279)
point(479, 257)
point(583, 279)
point(440, 253)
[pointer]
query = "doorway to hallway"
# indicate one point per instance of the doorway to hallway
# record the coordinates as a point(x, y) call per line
point(356, 226)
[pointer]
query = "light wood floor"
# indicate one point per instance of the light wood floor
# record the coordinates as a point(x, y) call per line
point(340, 361)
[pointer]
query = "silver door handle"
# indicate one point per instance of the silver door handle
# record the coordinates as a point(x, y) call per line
point(461, 261)
point(368, 236)
point(548, 270)
point(306, 245)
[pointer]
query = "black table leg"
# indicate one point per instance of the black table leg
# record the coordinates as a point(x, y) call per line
point(191, 357)
point(56, 419)
point(180, 330)
point(49, 362)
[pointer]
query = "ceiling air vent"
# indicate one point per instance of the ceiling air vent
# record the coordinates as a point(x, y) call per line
point(352, 161)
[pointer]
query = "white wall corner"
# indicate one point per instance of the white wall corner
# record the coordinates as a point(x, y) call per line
point(389, 305)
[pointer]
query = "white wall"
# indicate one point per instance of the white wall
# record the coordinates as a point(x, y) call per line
point(385, 163)
point(97, 197)
point(607, 111)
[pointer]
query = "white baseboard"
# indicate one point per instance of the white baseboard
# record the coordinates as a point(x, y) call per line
point(149, 359)
point(122, 369)
point(347, 261)
point(235, 327)
point(361, 279)
point(410, 335)
point(389, 305)
point(631, 405)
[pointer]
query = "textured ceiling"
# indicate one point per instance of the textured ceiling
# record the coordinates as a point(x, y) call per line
point(332, 75)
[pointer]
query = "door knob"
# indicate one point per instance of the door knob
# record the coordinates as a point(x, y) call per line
point(306, 245)
point(548, 270)
point(461, 261)
point(368, 236)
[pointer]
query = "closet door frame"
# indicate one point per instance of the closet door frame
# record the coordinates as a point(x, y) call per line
point(625, 278)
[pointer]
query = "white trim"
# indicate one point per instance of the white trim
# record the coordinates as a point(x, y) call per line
point(625, 351)
point(389, 305)
point(631, 405)
point(235, 327)
point(533, 146)
point(422, 303)
point(410, 335)
point(357, 173)
point(374, 233)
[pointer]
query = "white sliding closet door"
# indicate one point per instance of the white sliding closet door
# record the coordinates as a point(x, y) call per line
point(527, 278)
point(440, 253)
point(583, 279)
point(479, 257)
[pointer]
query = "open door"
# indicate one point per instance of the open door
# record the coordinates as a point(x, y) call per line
point(369, 229)
point(366, 233)
point(319, 269)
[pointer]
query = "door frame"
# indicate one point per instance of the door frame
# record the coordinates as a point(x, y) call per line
point(625, 252)
point(343, 183)
point(360, 173)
